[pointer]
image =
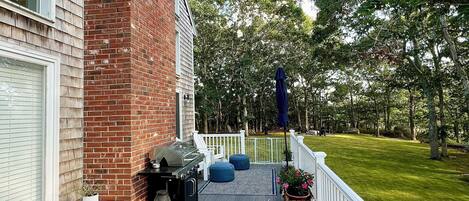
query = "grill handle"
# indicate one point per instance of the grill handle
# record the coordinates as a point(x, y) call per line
point(193, 181)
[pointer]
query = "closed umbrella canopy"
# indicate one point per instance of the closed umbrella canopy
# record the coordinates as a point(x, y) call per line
point(282, 105)
point(282, 97)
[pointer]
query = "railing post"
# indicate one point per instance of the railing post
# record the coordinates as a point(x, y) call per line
point(255, 149)
point(292, 132)
point(319, 156)
point(243, 143)
point(294, 154)
point(300, 144)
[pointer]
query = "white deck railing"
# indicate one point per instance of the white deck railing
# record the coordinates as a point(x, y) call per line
point(233, 143)
point(265, 150)
point(328, 186)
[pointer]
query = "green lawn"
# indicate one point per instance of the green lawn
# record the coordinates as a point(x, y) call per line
point(391, 169)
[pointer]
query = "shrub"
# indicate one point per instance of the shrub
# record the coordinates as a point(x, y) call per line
point(402, 132)
point(352, 131)
point(423, 137)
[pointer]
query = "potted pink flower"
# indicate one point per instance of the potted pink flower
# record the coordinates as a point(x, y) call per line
point(296, 184)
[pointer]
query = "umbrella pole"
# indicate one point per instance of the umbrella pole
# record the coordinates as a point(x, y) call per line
point(286, 146)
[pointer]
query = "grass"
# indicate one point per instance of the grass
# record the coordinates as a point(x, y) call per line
point(392, 169)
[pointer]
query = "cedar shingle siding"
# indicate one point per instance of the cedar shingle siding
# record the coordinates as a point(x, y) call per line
point(185, 82)
point(64, 40)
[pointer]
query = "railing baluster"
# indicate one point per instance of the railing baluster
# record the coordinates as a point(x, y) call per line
point(255, 149)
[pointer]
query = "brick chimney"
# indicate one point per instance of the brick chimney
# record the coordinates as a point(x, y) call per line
point(129, 88)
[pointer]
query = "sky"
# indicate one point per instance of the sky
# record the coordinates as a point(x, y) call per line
point(309, 8)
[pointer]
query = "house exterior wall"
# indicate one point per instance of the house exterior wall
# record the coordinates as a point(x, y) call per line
point(185, 81)
point(63, 40)
point(130, 86)
point(153, 81)
point(107, 114)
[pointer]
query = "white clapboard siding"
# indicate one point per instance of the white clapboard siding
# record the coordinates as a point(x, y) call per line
point(185, 63)
point(21, 130)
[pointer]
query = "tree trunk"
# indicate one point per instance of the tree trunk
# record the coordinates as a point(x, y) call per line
point(432, 123)
point(205, 123)
point(298, 113)
point(456, 131)
point(245, 115)
point(352, 112)
point(217, 119)
point(238, 116)
point(412, 114)
point(306, 111)
point(262, 114)
point(377, 117)
point(441, 105)
point(454, 56)
point(387, 122)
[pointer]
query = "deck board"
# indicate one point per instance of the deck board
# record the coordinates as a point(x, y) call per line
point(240, 196)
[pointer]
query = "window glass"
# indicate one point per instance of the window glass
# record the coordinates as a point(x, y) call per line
point(30, 4)
point(178, 53)
point(178, 116)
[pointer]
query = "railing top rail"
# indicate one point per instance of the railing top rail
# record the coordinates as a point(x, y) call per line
point(339, 183)
point(221, 135)
point(306, 148)
point(274, 138)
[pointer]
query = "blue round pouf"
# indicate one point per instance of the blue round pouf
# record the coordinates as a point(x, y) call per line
point(240, 161)
point(221, 172)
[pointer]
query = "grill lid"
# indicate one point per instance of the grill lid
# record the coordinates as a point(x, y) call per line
point(176, 154)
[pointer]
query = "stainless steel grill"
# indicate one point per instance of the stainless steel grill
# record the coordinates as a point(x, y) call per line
point(176, 155)
point(177, 171)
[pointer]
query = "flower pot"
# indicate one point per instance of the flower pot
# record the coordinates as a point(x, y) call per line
point(91, 198)
point(288, 197)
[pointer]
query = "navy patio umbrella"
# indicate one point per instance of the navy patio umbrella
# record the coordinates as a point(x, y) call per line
point(282, 104)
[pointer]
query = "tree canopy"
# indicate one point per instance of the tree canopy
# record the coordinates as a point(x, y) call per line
point(393, 68)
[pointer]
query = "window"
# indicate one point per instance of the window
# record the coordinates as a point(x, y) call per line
point(29, 4)
point(39, 10)
point(29, 142)
point(178, 53)
point(179, 117)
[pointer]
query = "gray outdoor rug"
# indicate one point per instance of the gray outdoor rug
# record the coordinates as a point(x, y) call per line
point(255, 181)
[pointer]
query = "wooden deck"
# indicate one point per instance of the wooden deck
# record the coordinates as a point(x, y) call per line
point(255, 184)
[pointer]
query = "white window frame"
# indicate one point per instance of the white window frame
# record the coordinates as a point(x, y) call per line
point(178, 53)
point(177, 11)
point(181, 115)
point(45, 15)
point(52, 97)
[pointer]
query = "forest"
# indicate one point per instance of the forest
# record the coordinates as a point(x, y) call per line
point(387, 68)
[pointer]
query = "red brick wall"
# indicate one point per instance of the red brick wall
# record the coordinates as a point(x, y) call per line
point(130, 87)
point(153, 82)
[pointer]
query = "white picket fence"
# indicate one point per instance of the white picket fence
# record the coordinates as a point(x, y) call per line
point(328, 186)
